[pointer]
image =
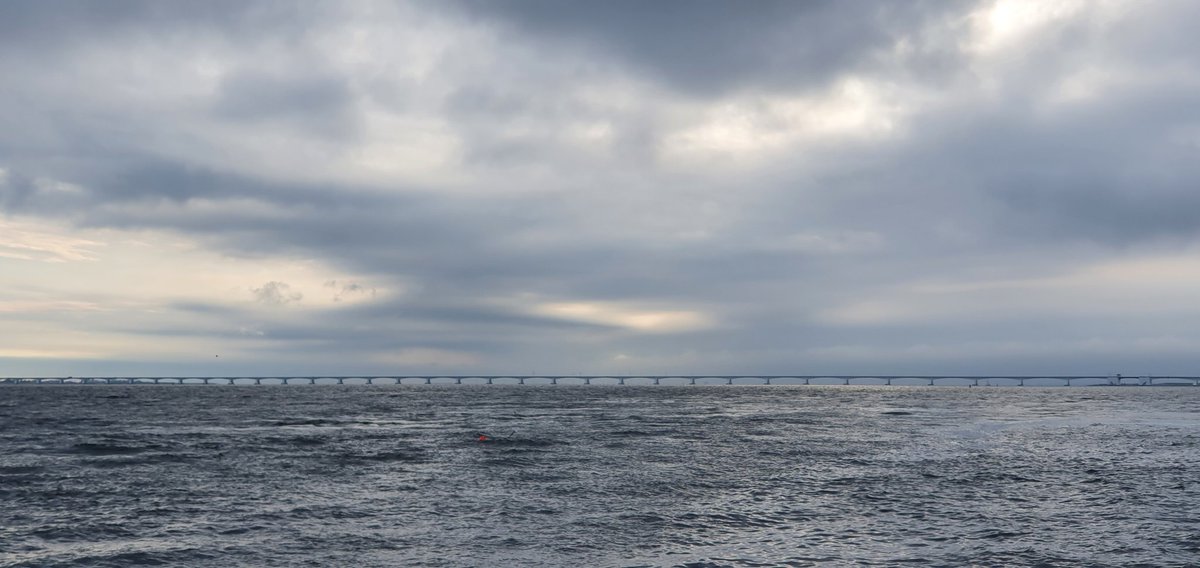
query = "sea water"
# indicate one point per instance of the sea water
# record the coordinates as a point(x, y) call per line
point(692, 476)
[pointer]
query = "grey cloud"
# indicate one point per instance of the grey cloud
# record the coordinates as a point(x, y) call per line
point(16, 190)
point(345, 290)
point(714, 46)
point(42, 26)
point(980, 183)
point(324, 103)
point(1109, 173)
point(276, 293)
point(173, 181)
point(371, 329)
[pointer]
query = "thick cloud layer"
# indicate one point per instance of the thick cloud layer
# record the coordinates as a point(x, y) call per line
point(792, 187)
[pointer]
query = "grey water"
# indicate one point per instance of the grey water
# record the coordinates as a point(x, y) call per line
point(695, 476)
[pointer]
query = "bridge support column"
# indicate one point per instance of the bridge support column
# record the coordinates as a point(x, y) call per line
point(691, 380)
point(587, 380)
point(846, 381)
point(489, 380)
point(520, 380)
point(620, 380)
point(656, 380)
point(341, 381)
point(554, 381)
point(729, 380)
point(1021, 382)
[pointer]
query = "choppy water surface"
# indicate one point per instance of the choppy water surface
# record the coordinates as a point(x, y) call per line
point(598, 476)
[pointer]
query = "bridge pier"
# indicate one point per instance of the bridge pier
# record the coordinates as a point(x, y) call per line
point(691, 380)
point(620, 380)
point(729, 380)
point(587, 380)
point(341, 381)
point(656, 380)
point(520, 380)
point(554, 380)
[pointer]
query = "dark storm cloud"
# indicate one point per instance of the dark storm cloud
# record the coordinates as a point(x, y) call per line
point(712, 46)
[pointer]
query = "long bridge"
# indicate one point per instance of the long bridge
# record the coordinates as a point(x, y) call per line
point(894, 380)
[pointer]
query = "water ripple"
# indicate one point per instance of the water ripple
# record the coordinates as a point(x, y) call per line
point(598, 476)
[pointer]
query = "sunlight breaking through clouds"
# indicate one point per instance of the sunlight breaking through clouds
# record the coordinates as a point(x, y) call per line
point(642, 320)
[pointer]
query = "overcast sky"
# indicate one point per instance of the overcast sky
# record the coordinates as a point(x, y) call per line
point(939, 187)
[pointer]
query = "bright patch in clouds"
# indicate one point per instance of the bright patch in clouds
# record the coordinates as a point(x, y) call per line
point(764, 128)
point(73, 290)
point(629, 317)
point(1003, 24)
point(33, 241)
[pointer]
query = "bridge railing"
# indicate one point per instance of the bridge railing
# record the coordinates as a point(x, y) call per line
point(845, 380)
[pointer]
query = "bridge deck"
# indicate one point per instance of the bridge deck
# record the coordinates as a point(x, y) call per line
point(894, 380)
